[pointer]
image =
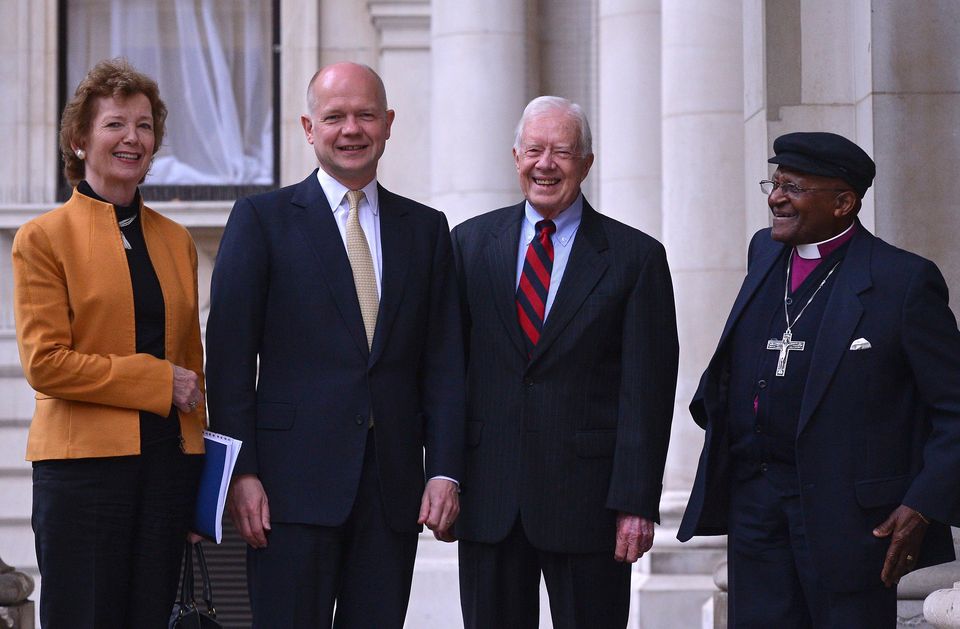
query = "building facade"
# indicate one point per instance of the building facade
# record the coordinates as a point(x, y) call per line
point(685, 98)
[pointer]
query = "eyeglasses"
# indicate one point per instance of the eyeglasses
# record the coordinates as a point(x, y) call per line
point(792, 189)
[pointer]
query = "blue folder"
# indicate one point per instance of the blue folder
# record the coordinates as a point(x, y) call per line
point(218, 461)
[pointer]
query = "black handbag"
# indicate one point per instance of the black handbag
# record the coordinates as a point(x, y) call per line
point(186, 614)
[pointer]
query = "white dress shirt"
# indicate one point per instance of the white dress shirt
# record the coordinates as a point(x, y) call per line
point(369, 214)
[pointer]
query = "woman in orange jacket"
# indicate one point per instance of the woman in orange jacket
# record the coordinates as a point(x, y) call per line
point(108, 330)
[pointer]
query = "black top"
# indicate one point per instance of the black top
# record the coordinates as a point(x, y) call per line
point(148, 307)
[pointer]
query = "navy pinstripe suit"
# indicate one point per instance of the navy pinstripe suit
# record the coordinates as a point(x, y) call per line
point(564, 440)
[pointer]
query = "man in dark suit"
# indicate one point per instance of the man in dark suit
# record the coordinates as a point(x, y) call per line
point(831, 408)
point(571, 347)
point(335, 355)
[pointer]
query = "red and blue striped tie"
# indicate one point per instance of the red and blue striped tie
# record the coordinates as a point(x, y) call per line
point(535, 284)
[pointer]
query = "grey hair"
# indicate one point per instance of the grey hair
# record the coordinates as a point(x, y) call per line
point(544, 104)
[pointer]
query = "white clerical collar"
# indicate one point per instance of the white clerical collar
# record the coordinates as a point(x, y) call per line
point(812, 251)
point(336, 191)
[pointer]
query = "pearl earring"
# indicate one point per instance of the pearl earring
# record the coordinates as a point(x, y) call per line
point(81, 154)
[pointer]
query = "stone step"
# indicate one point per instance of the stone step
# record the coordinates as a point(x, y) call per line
point(669, 601)
point(435, 593)
point(16, 487)
point(694, 561)
point(9, 354)
point(16, 544)
point(17, 396)
point(13, 444)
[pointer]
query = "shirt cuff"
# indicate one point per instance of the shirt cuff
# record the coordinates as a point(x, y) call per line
point(452, 480)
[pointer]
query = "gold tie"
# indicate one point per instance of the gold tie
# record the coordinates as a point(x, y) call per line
point(364, 277)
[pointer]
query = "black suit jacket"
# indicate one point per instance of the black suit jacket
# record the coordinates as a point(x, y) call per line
point(283, 300)
point(878, 427)
point(580, 430)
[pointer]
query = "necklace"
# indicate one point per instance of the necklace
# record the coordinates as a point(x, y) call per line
point(126, 223)
point(787, 344)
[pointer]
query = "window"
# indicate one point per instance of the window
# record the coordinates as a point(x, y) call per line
point(216, 63)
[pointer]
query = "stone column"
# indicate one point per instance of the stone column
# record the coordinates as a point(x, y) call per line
point(915, 116)
point(703, 229)
point(6, 285)
point(299, 59)
point(346, 31)
point(703, 216)
point(914, 110)
point(627, 130)
point(16, 612)
point(810, 68)
point(403, 31)
point(479, 89)
point(28, 116)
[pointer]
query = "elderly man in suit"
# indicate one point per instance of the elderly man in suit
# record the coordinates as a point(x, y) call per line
point(571, 346)
point(335, 355)
point(831, 408)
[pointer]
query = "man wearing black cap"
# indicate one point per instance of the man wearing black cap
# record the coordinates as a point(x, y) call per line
point(831, 408)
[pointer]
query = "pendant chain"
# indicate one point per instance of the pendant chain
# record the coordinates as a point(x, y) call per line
point(786, 288)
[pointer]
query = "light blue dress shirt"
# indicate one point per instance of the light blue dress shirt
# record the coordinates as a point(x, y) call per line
point(567, 222)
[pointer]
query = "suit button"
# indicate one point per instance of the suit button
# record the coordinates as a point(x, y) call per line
point(757, 429)
point(788, 301)
point(528, 382)
point(762, 384)
point(763, 467)
point(360, 420)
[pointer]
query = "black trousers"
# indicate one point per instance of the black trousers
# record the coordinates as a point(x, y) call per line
point(110, 534)
point(363, 567)
point(772, 580)
point(500, 586)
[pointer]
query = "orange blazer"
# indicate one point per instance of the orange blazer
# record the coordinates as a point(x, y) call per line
point(73, 303)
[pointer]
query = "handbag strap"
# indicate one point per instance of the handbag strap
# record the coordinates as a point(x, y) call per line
point(186, 583)
point(186, 602)
point(205, 578)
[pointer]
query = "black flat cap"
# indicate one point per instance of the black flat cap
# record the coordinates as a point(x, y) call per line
point(827, 155)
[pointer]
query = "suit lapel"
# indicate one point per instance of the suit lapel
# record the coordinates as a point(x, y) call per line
point(843, 312)
point(501, 259)
point(761, 263)
point(395, 246)
point(760, 267)
point(585, 267)
point(320, 231)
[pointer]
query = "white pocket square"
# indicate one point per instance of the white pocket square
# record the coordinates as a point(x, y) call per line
point(860, 343)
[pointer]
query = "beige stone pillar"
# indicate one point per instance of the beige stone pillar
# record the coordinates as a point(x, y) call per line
point(299, 59)
point(914, 114)
point(403, 33)
point(809, 68)
point(703, 231)
point(703, 215)
point(28, 116)
point(915, 121)
point(346, 33)
point(479, 89)
point(627, 131)
point(6, 290)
